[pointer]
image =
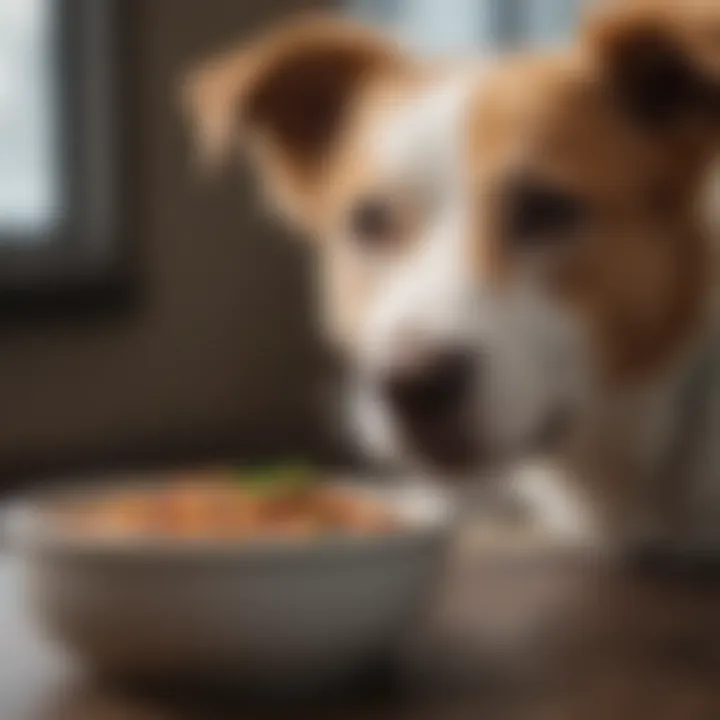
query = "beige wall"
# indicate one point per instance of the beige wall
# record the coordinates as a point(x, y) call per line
point(221, 350)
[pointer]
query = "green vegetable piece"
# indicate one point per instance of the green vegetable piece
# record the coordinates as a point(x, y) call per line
point(278, 478)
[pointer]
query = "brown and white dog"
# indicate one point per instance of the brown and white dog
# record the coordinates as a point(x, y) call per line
point(515, 254)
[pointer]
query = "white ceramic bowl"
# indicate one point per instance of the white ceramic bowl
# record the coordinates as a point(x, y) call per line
point(253, 612)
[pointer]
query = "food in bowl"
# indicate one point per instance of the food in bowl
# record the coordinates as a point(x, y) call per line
point(287, 504)
point(149, 604)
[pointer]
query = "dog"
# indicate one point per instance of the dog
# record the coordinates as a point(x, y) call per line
point(516, 254)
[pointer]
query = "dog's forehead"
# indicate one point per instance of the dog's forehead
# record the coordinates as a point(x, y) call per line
point(468, 118)
point(423, 130)
point(552, 118)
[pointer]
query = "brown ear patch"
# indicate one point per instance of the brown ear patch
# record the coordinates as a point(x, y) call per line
point(654, 77)
point(656, 59)
point(292, 87)
point(301, 98)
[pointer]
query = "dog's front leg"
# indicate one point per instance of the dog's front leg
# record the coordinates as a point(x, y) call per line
point(556, 505)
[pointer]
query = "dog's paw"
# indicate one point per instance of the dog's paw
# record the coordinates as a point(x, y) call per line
point(558, 508)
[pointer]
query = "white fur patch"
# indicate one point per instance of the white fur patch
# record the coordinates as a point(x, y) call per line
point(556, 504)
point(535, 361)
point(430, 298)
point(421, 146)
point(423, 297)
point(422, 135)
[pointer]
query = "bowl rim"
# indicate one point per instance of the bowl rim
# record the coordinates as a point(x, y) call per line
point(28, 532)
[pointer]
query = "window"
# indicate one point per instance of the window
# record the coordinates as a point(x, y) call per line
point(59, 145)
point(465, 25)
point(28, 174)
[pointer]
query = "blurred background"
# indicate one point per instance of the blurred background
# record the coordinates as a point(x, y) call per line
point(147, 316)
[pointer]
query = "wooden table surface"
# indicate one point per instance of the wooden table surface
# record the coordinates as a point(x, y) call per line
point(514, 637)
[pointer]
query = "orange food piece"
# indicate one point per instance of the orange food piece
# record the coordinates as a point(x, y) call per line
point(213, 507)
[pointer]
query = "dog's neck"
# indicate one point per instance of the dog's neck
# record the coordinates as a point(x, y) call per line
point(642, 451)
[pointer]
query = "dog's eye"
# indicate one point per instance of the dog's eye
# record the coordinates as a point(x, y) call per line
point(538, 214)
point(373, 221)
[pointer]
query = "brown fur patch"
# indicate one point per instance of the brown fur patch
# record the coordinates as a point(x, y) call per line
point(288, 99)
point(640, 271)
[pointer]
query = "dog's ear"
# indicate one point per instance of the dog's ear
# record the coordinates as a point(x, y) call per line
point(662, 58)
point(289, 90)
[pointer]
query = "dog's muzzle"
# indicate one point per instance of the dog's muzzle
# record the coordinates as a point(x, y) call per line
point(432, 403)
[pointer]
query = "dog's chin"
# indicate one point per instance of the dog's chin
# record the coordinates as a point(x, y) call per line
point(447, 453)
point(462, 452)
point(462, 447)
point(450, 450)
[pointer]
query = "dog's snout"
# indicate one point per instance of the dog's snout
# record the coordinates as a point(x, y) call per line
point(432, 388)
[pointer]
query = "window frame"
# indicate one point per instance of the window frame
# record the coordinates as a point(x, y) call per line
point(86, 256)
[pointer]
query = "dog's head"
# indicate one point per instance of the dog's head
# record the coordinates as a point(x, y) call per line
point(498, 242)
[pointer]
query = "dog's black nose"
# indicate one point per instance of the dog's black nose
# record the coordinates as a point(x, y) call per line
point(432, 389)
